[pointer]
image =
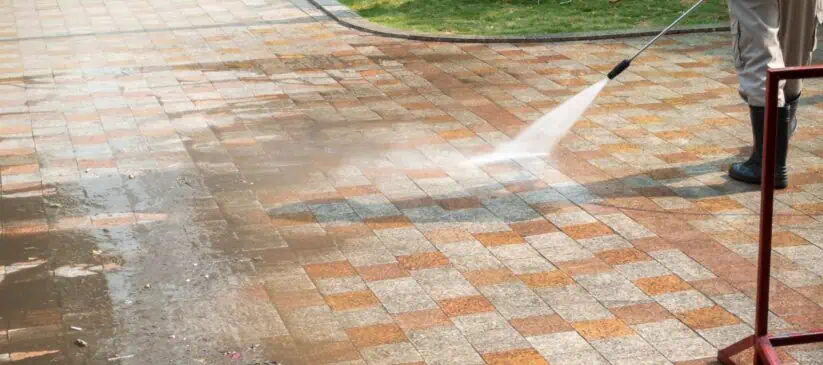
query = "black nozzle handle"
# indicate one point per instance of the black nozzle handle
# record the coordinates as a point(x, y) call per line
point(617, 70)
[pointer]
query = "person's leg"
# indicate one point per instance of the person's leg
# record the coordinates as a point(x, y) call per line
point(771, 34)
point(797, 34)
point(798, 38)
point(755, 26)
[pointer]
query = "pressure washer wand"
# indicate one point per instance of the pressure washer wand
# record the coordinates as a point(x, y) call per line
point(623, 65)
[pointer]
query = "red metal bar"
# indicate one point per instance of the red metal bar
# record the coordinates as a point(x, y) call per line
point(725, 355)
point(797, 339)
point(764, 256)
point(799, 72)
point(765, 351)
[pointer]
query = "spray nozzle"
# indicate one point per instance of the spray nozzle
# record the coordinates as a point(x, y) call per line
point(619, 68)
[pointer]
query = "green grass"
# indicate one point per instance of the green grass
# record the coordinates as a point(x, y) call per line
point(526, 17)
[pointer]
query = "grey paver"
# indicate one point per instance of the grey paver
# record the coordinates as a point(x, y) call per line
point(401, 295)
point(682, 265)
point(390, 354)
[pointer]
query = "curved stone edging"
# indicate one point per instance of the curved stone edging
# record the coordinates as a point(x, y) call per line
point(348, 18)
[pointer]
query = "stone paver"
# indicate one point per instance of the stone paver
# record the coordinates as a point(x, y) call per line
point(221, 181)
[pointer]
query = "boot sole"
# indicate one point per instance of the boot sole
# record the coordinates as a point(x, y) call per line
point(777, 184)
point(745, 179)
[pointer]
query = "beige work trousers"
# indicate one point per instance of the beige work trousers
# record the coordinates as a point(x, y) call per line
point(772, 34)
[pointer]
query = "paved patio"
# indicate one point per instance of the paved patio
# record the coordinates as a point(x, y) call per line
point(231, 182)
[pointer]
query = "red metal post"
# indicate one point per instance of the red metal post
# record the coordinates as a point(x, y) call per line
point(764, 256)
point(764, 345)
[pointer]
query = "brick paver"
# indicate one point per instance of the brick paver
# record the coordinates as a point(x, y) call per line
point(187, 179)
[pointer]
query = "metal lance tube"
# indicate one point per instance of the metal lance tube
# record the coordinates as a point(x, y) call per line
point(623, 65)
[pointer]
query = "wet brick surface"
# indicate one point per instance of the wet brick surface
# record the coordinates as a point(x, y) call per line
point(238, 181)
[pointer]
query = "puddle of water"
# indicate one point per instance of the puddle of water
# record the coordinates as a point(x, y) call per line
point(20, 266)
point(20, 356)
point(73, 271)
point(540, 138)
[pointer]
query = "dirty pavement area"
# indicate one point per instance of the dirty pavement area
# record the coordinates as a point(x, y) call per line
point(247, 182)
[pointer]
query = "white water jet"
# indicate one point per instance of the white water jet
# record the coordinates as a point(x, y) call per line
point(540, 138)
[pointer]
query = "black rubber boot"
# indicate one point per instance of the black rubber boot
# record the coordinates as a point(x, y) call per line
point(749, 171)
point(786, 125)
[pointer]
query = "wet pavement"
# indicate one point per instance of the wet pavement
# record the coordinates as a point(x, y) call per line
point(235, 182)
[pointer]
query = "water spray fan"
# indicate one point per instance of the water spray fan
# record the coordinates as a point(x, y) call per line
point(541, 136)
point(623, 65)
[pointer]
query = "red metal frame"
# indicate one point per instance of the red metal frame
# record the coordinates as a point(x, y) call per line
point(763, 343)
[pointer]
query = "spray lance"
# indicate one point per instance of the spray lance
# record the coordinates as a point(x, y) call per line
point(623, 65)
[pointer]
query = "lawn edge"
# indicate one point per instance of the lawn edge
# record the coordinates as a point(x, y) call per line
point(350, 19)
